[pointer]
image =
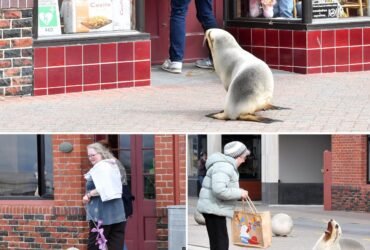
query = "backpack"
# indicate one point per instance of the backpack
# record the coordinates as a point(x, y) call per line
point(128, 200)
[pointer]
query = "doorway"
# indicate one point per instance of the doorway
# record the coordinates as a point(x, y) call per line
point(136, 152)
point(157, 23)
point(250, 170)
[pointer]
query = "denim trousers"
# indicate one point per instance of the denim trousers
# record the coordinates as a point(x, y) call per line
point(284, 8)
point(179, 10)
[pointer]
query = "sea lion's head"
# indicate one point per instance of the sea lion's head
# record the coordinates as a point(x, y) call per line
point(219, 39)
point(333, 231)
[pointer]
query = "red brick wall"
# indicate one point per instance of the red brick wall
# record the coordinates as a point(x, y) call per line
point(60, 223)
point(350, 190)
point(16, 51)
point(170, 171)
point(51, 224)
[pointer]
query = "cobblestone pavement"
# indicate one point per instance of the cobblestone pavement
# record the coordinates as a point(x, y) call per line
point(310, 222)
point(338, 102)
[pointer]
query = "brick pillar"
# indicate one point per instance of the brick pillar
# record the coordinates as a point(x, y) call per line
point(16, 51)
point(170, 180)
point(350, 190)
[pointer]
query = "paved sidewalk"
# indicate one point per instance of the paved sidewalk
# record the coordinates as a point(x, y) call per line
point(309, 224)
point(329, 103)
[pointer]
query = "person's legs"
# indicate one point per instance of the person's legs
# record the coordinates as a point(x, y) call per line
point(217, 232)
point(91, 242)
point(116, 236)
point(205, 14)
point(207, 19)
point(179, 9)
point(286, 8)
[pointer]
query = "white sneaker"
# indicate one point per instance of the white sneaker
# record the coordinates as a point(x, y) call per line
point(173, 67)
point(205, 63)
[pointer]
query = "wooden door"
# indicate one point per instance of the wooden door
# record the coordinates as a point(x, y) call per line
point(157, 21)
point(136, 152)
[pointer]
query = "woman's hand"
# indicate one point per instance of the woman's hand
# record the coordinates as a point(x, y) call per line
point(244, 194)
point(86, 199)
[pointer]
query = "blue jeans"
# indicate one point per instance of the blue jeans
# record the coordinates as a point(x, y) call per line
point(179, 9)
point(284, 8)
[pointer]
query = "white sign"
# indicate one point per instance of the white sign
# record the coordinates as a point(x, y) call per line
point(48, 18)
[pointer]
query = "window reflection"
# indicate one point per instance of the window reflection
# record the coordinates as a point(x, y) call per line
point(19, 166)
point(148, 166)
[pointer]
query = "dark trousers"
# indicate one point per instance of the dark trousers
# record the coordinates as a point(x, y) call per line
point(217, 232)
point(115, 234)
point(179, 10)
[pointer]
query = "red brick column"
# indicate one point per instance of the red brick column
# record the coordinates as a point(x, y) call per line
point(350, 190)
point(51, 224)
point(170, 171)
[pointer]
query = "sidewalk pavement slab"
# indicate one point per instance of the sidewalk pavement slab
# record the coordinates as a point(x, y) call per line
point(310, 222)
point(336, 102)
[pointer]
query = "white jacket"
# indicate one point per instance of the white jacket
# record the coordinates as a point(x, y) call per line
point(107, 179)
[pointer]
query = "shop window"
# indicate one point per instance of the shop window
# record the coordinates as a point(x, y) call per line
point(58, 17)
point(26, 167)
point(298, 13)
point(197, 144)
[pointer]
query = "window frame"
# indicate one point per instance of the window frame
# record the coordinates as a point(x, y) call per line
point(305, 23)
point(139, 21)
point(41, 175)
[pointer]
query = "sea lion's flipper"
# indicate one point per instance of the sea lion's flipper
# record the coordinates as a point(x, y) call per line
point(219, 115)
point(254, 118)
point(273, 107)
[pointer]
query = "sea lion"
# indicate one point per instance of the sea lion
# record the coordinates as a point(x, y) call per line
point(248, 80)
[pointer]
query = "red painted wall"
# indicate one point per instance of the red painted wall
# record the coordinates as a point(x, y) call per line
point(350, 190)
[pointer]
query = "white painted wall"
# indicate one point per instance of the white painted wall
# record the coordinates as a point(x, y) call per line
point(300, 157)
point(214, 144)
point(270, 158)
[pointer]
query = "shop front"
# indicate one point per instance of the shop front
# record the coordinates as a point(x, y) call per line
point(310, 36)
point(58, 47)
point(42, 184)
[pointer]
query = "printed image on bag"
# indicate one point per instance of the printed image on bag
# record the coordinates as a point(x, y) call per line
point(251, 229)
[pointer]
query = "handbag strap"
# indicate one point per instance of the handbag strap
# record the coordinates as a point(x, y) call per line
point(250, 204)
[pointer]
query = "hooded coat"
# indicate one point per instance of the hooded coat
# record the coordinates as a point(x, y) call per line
point(220, 190)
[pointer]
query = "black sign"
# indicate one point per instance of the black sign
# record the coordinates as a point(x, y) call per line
point(325, 10)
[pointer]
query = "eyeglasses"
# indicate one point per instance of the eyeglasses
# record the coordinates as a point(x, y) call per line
point(90, 156)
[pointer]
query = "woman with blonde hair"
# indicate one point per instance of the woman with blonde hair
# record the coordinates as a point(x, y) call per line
point(103, 198)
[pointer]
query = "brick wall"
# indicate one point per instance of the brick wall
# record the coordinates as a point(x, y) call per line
point(170, 179)
point(350, 190)
point(60, 223)
point(16, 51)
point(6, 4)
point(51, 224)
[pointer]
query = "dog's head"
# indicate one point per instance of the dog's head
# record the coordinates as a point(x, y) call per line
point(219, 38)
point(333, 232)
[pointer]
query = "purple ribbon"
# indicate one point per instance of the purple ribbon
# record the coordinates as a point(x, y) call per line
point(100, 238)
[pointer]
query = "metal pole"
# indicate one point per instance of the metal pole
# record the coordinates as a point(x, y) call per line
point(307, 11)
point(140, 15)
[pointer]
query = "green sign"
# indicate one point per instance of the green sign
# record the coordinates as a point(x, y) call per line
point(47, 16)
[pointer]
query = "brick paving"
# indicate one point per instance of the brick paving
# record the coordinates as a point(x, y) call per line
point(320, 103)
point(309, 222)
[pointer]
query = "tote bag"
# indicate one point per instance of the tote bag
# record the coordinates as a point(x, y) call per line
point(251, 228)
